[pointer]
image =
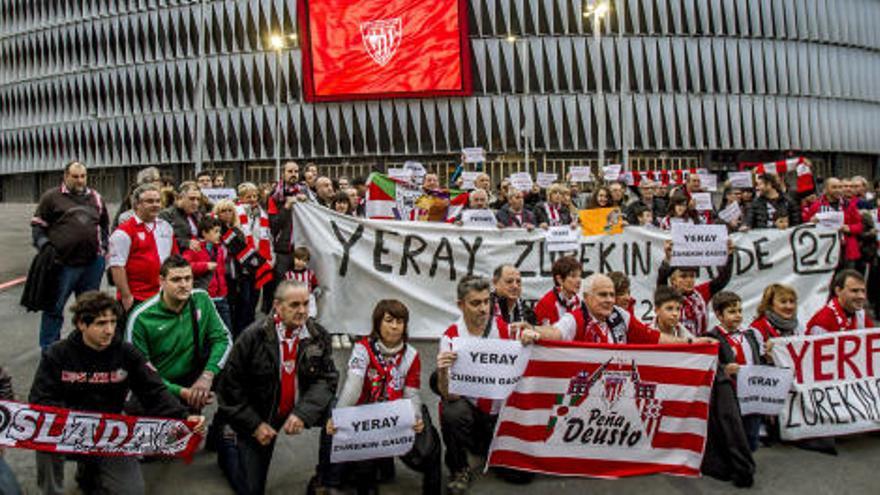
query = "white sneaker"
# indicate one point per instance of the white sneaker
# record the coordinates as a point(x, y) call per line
point(336, 342)
point(346, 341)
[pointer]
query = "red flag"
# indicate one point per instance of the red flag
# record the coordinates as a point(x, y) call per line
point(357, 49)
point(608, 411)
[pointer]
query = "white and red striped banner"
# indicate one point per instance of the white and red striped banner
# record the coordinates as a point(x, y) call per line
point(664, 177)
point(608, 411)
point(63, 431)
point(781, 167)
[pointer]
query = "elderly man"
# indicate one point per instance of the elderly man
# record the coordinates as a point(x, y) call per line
point(478, 200)
point(645, 201)
point(432, 182)
point(846, 310)
point(507, 296)
point(138, 247)
point(280, 377)
point(514, 213)
point(183, 216)
point(599, 320)
point(71, 219)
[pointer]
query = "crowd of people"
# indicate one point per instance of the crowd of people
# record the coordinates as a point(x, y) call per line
point(188, 327)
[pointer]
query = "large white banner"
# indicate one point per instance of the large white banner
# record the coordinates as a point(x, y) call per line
point(360, 262)
point(836, 388)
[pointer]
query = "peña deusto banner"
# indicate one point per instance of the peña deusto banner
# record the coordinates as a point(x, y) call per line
point(360, 262)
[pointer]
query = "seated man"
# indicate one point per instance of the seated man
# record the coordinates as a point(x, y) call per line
point(468, 423)
point(112, 369)
point(280, 375)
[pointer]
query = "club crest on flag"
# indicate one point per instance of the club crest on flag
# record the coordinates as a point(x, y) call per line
point(610, 406)
point(381, 38)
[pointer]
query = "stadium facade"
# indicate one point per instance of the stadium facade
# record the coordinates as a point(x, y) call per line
point(121, 84)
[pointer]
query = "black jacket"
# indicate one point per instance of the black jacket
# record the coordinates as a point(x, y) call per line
point(249, 388)
point(508, 219)
point(75, 376)
point(521, 313)
point(542, 217)
point(758, 215)
point(39, 292)
point(178, 220)
point(727, 355)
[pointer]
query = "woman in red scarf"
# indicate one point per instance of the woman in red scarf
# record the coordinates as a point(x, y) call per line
point(385, 367)
point(777, 313)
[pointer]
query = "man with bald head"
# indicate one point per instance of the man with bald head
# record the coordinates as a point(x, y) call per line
point(72, 220)
point(324, 191)
point(599, 320)
point(852, 228)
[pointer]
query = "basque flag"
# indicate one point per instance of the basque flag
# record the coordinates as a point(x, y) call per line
point(608, 411)
point(358, 49)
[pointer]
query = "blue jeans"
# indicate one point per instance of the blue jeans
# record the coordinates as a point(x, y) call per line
point(8, 483)
point(71, 279)
point(222, 307)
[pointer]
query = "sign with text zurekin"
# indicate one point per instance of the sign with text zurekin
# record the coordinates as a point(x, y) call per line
point(486, 368)
point(698, 245)
point(372, 431)
point(836, 389)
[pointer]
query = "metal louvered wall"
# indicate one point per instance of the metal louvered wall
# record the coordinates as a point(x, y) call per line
point(117, 83)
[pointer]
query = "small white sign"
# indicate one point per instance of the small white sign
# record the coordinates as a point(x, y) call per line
point(479, 218)
point(762, 389)
point(371, 431)
point(467, 180)
point(731, 213)
point(770, 168)
point(473, 155)
point(521, 181)
point(830, 219)
point(698, 245)
point(612, 172)
point(218, 194)
point(581, 174)
point(417, 171)
point(546, 178)
point(740, 180)
point(487, 368)
point(709, 182)
point(703, 201)
point(400, 174)
point(562, 238)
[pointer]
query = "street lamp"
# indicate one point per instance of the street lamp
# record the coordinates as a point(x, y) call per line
point(598, 10)
point(279, 42)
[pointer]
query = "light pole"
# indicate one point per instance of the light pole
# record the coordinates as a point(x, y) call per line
point(598, 10)
point(279, 42)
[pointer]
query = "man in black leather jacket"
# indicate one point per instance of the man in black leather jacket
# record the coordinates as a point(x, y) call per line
point(280, 375)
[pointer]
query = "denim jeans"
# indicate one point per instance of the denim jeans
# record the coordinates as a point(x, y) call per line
point(244, 462)
point(222, 306)
point(8, 483)
point(71, 279)
point(245, 307)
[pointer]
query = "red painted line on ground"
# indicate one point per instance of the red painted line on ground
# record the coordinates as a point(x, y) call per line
point(12, 283)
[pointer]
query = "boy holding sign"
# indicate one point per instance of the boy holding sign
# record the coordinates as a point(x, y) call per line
point(385, 367)
point(468, 423)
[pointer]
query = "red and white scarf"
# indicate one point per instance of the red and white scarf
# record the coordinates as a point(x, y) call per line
point(694, 313)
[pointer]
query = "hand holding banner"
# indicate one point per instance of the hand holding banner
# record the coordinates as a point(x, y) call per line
point(486, 368)
point(698, 245)
point(762, 389)
point(371, 431)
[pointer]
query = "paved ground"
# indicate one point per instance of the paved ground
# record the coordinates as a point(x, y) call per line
point(781, 470)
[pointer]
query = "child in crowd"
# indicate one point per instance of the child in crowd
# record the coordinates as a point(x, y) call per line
point(209, 266)
point(622, 295)
point(667, 312)
point(645, 216)
point(738, 346)
point(301, 272)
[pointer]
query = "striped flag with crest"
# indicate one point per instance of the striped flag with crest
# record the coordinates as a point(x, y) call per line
point(608, 411)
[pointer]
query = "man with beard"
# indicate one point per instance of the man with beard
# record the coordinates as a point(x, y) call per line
point(280, 209)
point(71, 219)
